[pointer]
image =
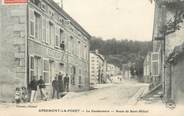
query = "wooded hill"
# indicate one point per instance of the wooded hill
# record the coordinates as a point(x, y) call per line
point(120, 52)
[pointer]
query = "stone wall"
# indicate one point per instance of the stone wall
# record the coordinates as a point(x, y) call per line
point(178, 81)
point(173, 72)
point(13, 31)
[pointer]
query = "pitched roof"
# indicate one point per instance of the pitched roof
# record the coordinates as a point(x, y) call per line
point(60, 10)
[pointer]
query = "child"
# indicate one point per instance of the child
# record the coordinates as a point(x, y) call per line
point(24, 96)
point(18, 95)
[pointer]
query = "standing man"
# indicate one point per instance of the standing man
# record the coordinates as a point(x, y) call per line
point(66, 83)
point(33, 86)
point(60, 85)
point(60, 75)
point(42, 87)
point(55, 87)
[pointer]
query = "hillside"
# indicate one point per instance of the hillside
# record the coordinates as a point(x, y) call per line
point(120, 52)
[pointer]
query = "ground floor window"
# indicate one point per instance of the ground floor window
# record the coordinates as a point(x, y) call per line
point(51, 70)
point(31, 67)
point(35, 67)
point(46, 70)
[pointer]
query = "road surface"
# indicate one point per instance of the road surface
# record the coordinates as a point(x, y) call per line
point(117, 94)
point(115, 98)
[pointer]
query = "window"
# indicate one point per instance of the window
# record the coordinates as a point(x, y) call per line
point(37, 2)
point(44, 29)
point(71, 44)
point(35, 67)
point(57, 42)
point(51, 70)
point(43, 6)
point(78, 49)
point(38, 26)
point(92, 67)
point(86, 52)
point(61, 35)
point(31, 67)
point(82, 50)
point(62, 39)
point(51, 32)
point(46, 71)
point(31, 23)
point(92, 71)
point(47, 31)
point(32, 28)
point(72, 47)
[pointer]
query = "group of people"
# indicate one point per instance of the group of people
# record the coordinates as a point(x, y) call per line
point(60, 85)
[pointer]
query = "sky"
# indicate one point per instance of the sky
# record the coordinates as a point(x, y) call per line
point(120, 19)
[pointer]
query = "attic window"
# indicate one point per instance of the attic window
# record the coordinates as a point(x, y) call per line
point(43, 6)
point(36, 2)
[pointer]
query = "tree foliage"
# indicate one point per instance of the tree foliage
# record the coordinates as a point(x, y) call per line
point(120, 52)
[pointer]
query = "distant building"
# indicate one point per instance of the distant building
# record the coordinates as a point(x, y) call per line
point(97, 67)
point(126, 71)
point(112, 70)
point(38, 38)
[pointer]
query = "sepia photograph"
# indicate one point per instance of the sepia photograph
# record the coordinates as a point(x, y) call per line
point(91, 57)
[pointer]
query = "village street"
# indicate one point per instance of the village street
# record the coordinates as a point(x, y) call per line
point(117, 94)
point(112, 98)
point(114, 94)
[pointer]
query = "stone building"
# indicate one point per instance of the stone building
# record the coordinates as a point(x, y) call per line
point(169, 15)
point(38, 38)
point(113, 70)
point(97, 68)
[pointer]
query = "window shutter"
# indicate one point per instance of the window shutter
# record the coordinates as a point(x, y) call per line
point(155, 64)
point(57, 36)
point(43, 29)
point(47, 31)
point(31, 23)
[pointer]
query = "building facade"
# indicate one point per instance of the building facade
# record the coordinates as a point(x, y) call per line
point(171, 29)
point(112, 70)
point(97, 68)
point(38, 38)
point(126, 71)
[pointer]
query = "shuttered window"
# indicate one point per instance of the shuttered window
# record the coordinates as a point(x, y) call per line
point(31, 23)
point(38, 26)
point(32, 67)
point(57, 42)
point(46, 70)
point(47, 32)
point(155, 64)
point(44, 29)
